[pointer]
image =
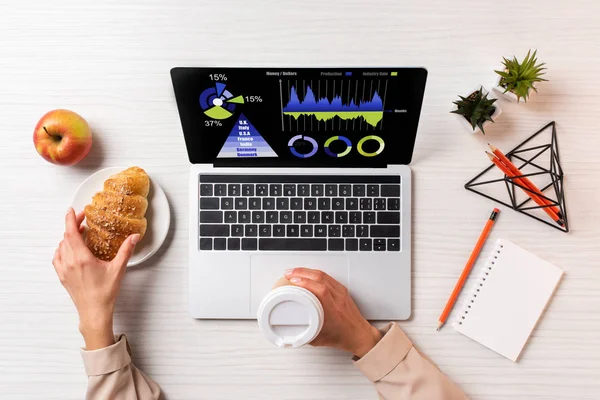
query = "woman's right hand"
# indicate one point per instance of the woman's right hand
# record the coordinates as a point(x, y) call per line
point(344, 327)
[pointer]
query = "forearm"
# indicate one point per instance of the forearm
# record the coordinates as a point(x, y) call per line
point(399, 372)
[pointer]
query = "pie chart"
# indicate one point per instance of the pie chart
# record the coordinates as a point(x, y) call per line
point(218, 102)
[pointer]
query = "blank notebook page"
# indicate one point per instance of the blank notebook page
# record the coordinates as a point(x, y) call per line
point(510, 295)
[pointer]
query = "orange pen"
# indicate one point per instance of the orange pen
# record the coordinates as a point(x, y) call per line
point(465, 274)
point(519, 181)
point(526, 181)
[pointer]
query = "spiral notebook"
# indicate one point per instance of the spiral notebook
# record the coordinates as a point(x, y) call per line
point(508, 299)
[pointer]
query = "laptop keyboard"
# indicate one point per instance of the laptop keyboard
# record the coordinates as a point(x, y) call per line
point(300, 213)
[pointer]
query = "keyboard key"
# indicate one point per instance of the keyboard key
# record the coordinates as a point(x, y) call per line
point(206, 189)
point(321, 231)
point(254, 203)
point(306, 231)
point(310, 203)
point(331, 190)
point(220, 190)
point(258, 217)
point(366, 245)
point(207, 203)
point(241, 203)
point(336, 245)
point(324, 203)
point(379, 244)
point(351, 244)
point(285, 217)
point(390, 190)
point(334, 231)
point(272, 217)
point(262, 190)
point(249, 244)
point(362, 231)
point(393, 204)
point(345, 190)
point(384, 217)
point(214, 230)
point(283, 203)
point(355, 217)
point(351, 204)
point(341, 217)
point(379, 204)
point(337, 204)
point(233, 190)
point(268, 203)
point(316, 190)
point(244, 217)
point(289, 190)
point(220, 244)
point(358, 190)
point(296, 203)
point(385, 231)
point(233, 244)
point(211, 217)
point(230, 217)
point(205, 243)
point(226, 203)
point(248, 190)
point(279, 230)
point(298, 244)
point(264, 230)
point(369, 217)
point(366, 204)
point(373, 190)
point(348, 231)
point(251, 230)
point(299, 217)
point(303, 190)
point(327, 217)
point(314, 217)
point(237, 230)
point(275, 190)
point(393, 244)
point(293, 231)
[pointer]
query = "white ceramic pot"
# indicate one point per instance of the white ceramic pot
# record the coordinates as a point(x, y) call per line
point(509, 95)
point(463, 121)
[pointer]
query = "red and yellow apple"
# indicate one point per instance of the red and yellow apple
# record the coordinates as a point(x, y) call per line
point(62, 137)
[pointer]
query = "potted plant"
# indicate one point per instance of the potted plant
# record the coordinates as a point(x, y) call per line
point(517, 80)
point(476, 111)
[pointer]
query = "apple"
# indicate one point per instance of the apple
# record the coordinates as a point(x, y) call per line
point(62, 137)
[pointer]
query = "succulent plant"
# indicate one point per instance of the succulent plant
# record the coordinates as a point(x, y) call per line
point(476, 108)
point(519, 78)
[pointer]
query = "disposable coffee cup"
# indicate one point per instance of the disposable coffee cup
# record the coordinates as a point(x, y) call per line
point(290, 316)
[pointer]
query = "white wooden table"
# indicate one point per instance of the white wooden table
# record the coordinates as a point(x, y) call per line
point(110, 61)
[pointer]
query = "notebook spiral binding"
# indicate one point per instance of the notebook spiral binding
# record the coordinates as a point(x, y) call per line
point(483, 276)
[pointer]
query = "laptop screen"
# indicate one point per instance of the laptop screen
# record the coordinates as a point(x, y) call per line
point(299, 117)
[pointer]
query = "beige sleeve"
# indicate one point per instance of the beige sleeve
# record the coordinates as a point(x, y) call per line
point(112, 375)
point(399, 372)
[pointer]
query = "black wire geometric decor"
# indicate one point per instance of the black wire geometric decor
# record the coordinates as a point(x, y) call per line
point(529, 160)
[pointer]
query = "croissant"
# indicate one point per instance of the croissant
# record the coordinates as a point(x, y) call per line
point(117, 212)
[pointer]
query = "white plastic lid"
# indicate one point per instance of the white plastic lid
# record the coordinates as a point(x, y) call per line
point(290, 316)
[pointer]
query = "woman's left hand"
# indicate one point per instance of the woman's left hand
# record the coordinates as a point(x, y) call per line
point(93, 284)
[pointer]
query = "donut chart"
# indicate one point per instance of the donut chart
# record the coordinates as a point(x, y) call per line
point(219, 103)
point(333, 139)
point(367, 138)
point(310, 140)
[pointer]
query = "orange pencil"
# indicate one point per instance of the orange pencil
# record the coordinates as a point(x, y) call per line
point(527, 182)
point(468, 267)
point(519, 181)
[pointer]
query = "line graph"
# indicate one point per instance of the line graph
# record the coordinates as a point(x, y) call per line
point(330, 104)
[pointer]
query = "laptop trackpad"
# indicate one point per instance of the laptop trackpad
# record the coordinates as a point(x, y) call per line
point(266, 269)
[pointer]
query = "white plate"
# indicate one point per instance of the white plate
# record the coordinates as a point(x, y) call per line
point(158, 214)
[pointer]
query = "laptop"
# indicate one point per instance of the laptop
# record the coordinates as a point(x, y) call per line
point(299, 167)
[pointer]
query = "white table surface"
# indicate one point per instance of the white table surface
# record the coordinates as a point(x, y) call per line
point(110, 61)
